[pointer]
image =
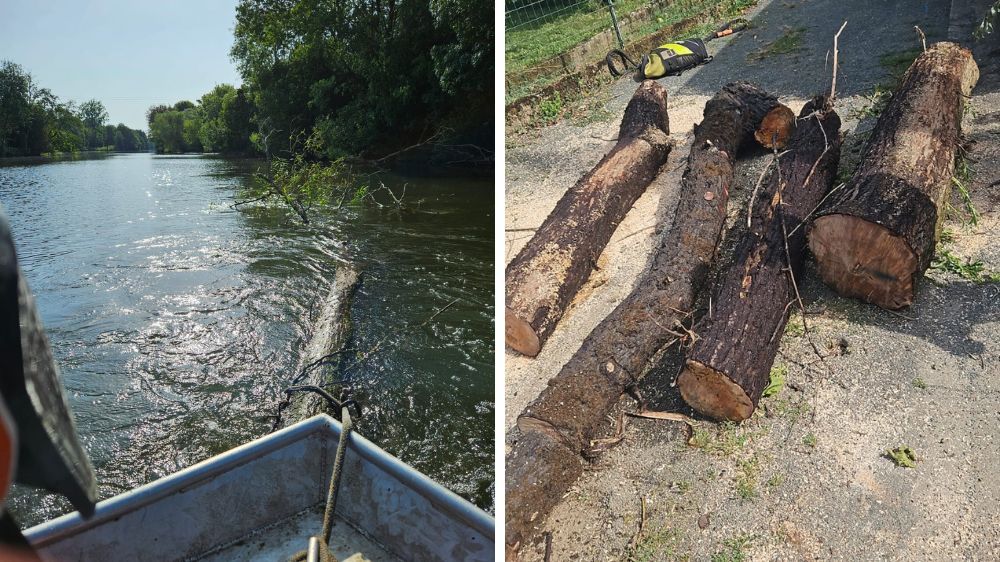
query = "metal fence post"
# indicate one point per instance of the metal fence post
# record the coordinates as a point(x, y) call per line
point(614, 23)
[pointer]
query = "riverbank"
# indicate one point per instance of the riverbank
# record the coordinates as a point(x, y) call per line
point(806, 478)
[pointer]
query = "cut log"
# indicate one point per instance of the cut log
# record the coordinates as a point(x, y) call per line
point(776, 128)
point(874, 238)
point(618, 351)
point(728, 365)
point(547, 273)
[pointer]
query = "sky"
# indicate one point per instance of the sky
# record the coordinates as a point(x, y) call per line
point(127, 54)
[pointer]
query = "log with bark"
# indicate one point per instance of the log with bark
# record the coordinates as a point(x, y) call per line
point(560, 423)
point(874, 238)
point(729, 364)
point(547, 273)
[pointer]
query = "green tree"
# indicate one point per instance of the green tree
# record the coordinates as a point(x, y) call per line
point(14, 105)
point(370, 76)
point(94, 118)
point(167, 132)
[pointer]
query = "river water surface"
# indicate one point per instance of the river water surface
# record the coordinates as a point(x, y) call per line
point(177, 320)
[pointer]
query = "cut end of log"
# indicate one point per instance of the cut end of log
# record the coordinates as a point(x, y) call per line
point(776, 128)
point(713, 394)
point(520, 336)
point(861, 259)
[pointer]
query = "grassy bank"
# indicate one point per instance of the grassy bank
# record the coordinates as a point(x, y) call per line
point(534, 43)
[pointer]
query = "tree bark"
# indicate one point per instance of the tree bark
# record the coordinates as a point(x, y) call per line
point(547, 273)
point(323, 352)
point(729, 364)
point(874, 238)
point(559, 424)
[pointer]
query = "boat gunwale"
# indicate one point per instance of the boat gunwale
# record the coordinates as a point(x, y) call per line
point(71, 524)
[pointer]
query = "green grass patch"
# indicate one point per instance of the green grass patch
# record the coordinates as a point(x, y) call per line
point(729, 438)
point(795, 326)
point(809, 440)
point(534, 45)
point(733, 549)
point(919, 383)
point(971, 214)
point(746, 482)
point(897, 62)
point(660, 544)
point(550, 109)
point(789, 42)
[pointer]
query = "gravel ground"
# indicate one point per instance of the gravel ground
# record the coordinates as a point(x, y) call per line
point(806, 477)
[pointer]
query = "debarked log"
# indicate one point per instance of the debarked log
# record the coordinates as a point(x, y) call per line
point(546, 274)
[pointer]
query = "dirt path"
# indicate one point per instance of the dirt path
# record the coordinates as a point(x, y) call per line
point(805, 478)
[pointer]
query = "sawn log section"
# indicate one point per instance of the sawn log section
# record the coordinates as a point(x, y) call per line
point(558, 425)
point(875, 237)
point(547, 273)
point(730, 361)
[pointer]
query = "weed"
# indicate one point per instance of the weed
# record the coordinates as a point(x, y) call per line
point(775, 480)
point(903, 456)
point(733, 549)
point(795, 326)
point(683, 486)
point(809, 440)
point(919, 383)
point(944, 260)
point(778, 373)
point(947, 235)
point(657, 545)
point(878, 100)
point(700, 438)
point(746, 482)
point(897, 63)
point(963, 191)
point(789, 42)
point(550, 109)
point(786, 408)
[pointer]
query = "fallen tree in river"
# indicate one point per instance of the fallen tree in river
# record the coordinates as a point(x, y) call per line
point(559, 424)
point(322, 355)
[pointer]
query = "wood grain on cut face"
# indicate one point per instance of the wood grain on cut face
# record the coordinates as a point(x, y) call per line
point(776, 128)
point(713, 393)
point(864, 260)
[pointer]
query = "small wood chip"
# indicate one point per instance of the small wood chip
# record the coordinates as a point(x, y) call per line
point(703, 521)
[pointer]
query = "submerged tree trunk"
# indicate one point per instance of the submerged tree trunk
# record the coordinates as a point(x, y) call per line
point(729, 364)
point(559, 424)
point(547, 273)
point(874, 238)
point(322, 355)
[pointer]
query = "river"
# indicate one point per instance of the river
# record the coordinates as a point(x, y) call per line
point(177, 320)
